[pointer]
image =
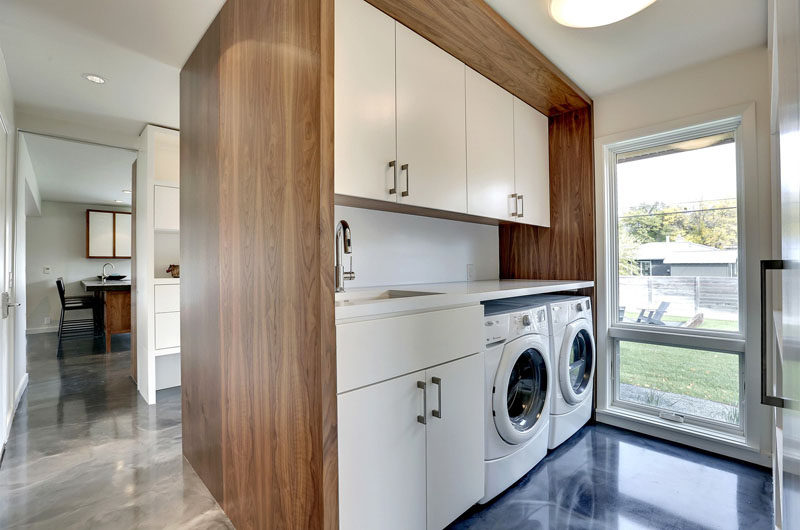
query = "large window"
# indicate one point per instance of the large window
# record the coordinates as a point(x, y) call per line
point(676, 327)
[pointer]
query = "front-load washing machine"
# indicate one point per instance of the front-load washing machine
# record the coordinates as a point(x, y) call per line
point(518, 388)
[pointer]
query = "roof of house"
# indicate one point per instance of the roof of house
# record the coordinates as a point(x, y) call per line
point(679, 252)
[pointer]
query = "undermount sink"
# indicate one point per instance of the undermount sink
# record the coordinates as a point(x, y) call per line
point(357, 297)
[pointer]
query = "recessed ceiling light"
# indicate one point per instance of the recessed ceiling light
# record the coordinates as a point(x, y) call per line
point(127, 191)
point(94, 78)
point(117, 200)
point(594, 13)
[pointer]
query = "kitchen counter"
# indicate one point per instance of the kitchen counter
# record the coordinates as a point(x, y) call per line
point(365, 302)
point(108, 285)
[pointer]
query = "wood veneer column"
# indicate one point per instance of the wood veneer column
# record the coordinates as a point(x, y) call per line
point(257, 322)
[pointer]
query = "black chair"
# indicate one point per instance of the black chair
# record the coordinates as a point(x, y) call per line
point(75, 327)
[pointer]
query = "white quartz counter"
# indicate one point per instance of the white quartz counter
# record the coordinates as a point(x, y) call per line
point(371, 301)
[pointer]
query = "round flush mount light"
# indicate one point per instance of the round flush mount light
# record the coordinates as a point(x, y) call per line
point(127, 191)
point(594, 13)
point(117, 200)
point(94, 78)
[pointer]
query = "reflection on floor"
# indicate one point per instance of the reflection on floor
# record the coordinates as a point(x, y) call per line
point(86, 452)
point(605, 477)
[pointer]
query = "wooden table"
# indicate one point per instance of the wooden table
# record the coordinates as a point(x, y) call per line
point(116, 303)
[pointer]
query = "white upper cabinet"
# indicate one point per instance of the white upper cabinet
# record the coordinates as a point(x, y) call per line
point(532, 166)
point(364, 105)
point(166, 206)
point(122, 235)
point(490, 148)
point(101, 234)
point(431, 147)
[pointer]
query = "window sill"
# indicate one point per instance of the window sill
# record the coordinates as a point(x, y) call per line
point(731, 446)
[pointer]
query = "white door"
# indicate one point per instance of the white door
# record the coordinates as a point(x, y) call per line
point(7, 367)
point(531, 165)
point(490, 149)
point(455, 439)
point(431, 146)
point(786, 72)
point(364, 105)
point(382, 455)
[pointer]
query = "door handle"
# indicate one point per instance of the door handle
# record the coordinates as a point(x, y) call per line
point(421, 386)
point(516, 204)
point(393, 165)
point(404, 167)
point(766, 397)
point(437, 413)
point(7, 304)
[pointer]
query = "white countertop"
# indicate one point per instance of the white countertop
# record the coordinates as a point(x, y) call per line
point(364, 302)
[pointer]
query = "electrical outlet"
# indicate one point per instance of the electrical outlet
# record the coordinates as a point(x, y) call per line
point(470, 272)
point(46, 270)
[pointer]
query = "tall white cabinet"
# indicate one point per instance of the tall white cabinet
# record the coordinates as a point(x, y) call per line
point(416, 126)
point(157, 293)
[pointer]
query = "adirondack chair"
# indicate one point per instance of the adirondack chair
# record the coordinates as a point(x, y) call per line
point(654, 316)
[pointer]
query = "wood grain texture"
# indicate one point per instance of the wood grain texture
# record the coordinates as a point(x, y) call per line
point(566, 250)
point(201, 385)
point(117, 316)
point(257, 93)
point(475, 34)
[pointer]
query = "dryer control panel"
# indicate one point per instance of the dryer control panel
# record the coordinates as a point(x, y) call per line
point(495, 328)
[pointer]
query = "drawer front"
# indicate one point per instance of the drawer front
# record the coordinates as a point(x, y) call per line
point(376, 350)
point(168, 298)
point(168, 330)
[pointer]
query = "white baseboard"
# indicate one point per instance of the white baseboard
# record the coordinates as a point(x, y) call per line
point(23, 384)
point(43, 329)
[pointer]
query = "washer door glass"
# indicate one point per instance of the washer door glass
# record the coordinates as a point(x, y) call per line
point(527, 390)
point(580, 362)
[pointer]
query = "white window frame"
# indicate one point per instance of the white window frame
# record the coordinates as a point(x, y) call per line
point(745, 442)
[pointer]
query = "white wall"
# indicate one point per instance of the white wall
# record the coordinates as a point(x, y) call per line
point(57, 240)
point(392, 248)
point(736, 80)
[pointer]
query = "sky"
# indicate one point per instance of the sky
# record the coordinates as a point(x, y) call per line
point(701, 174)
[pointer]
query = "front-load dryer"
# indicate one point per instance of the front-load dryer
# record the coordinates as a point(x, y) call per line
point(517, 393)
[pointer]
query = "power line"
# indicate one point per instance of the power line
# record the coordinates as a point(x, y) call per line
point(678, 212)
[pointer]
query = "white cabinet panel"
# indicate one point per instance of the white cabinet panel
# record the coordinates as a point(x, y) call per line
point(122, 235)
point(490, 148)
point(166, 207)
point(532, 164)
point(364, 106)
point(430, 124)
point(168, 330)
point(168, 298)
point(101, 234)
point(376, 350)
point(454, 444)
point(382, 456)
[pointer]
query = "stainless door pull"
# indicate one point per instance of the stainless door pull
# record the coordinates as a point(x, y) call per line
point(404, 167)
point(437, 413)
point(421, 386)
point(393, 165)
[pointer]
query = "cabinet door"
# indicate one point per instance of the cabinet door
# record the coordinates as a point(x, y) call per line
point(490, 148)
point(166, 206)
point(382, 456)
point(168, 330)
point(364, 105)
point(430, 125)
point(532, 164)
point(455, 438)
point(100, 238)
point(122, 235)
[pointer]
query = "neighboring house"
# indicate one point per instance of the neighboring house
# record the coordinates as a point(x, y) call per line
point(683, 258)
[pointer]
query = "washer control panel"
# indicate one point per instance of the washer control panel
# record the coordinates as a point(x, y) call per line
point(495, 328)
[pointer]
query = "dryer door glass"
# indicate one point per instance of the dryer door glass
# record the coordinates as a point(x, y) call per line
point(581, 358)
point(527, 390)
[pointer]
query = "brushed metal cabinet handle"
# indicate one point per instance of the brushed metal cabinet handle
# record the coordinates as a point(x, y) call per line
point(393, 165)
point(766, 397)
point(421, 386)
point(404, 167)
point(437, 413)
point(521, 199)
point(516, 205)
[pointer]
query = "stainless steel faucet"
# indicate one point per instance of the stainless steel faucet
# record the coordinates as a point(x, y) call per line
point(104, 270)
point(343, 244)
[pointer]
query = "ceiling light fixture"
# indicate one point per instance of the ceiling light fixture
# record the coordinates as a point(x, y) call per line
point(127, 191)
point(94, 78)
point(594, 13)
point(117, 200)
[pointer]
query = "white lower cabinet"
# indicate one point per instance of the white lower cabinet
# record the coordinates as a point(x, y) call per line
point(411, 448)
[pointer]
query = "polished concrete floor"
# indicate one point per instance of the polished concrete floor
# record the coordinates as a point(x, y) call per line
point(85, 451)
point(608, 478)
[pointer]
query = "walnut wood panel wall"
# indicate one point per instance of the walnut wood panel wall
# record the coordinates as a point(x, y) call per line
point(258, 345)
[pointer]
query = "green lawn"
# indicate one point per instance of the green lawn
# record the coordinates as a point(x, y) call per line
point(697, 373)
